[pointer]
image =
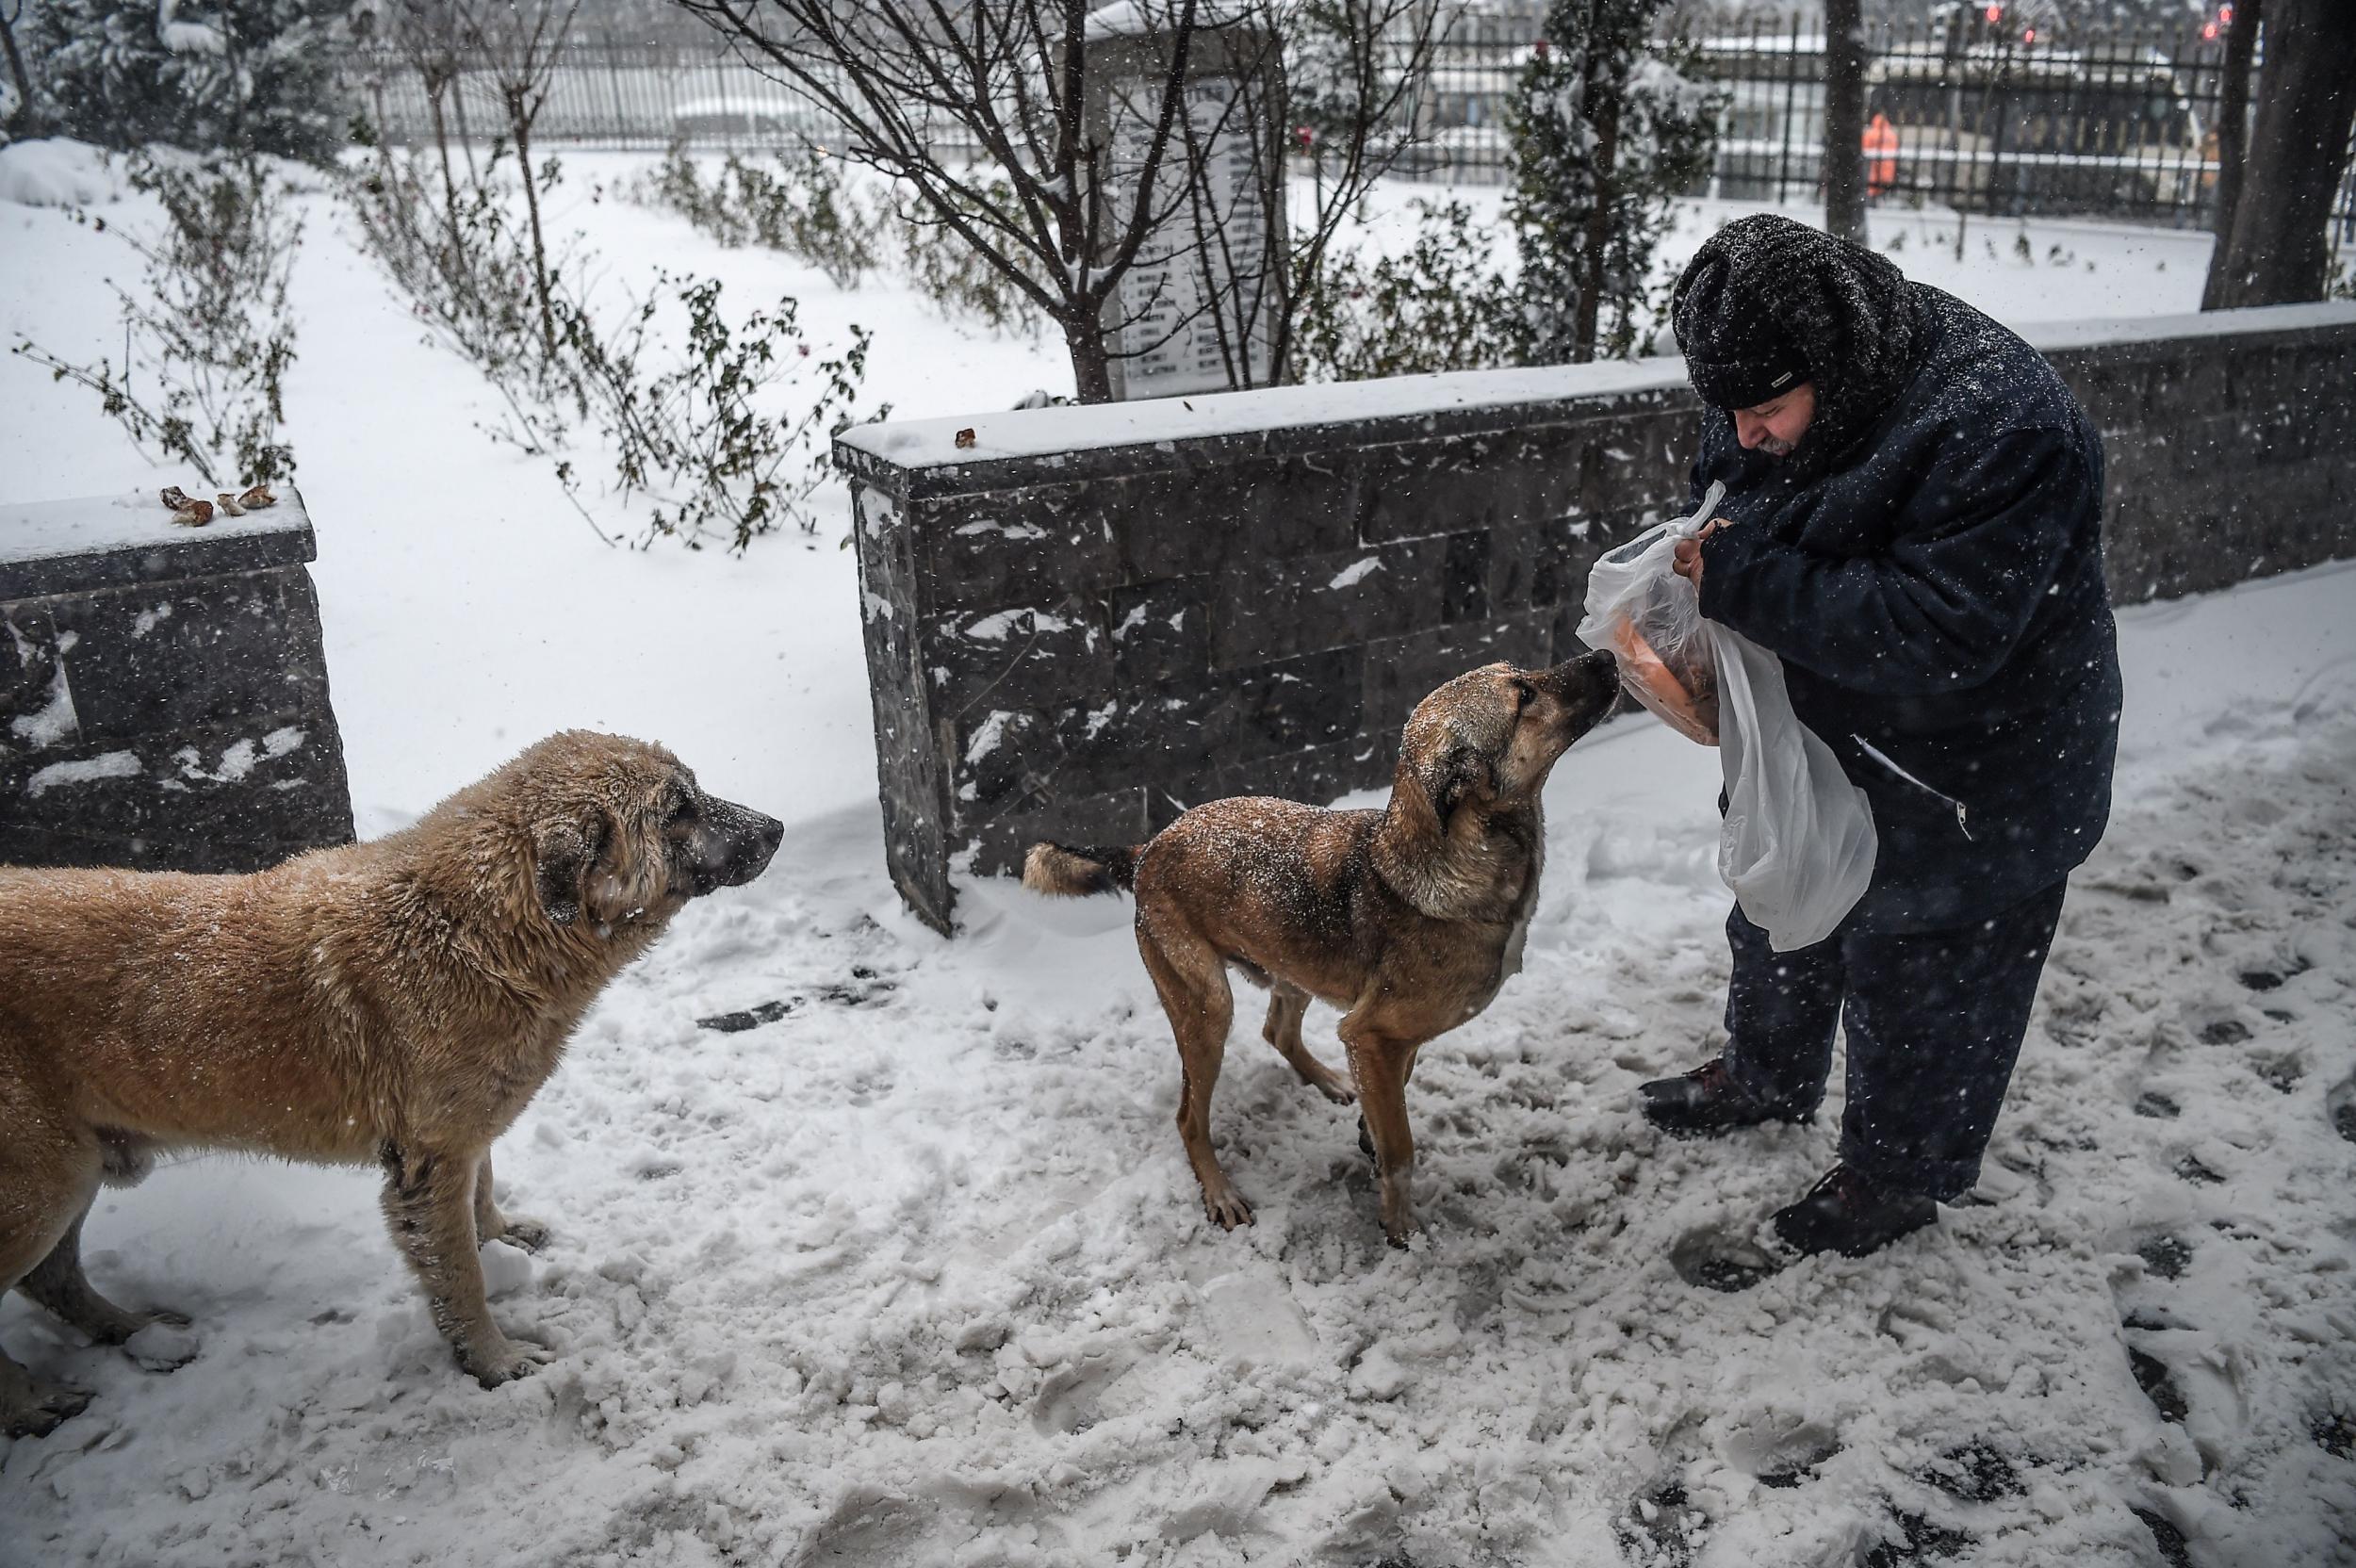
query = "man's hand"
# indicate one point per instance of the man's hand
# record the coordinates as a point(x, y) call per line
point(1686, 559)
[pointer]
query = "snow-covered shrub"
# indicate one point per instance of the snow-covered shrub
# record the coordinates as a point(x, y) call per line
point(455, 249)
point(795, 202)
point(958, 280)
point(247, 76)
point(701, 437)
point(700, 415)
point(208, 338)
point(1606, 132)
point(1442, 305)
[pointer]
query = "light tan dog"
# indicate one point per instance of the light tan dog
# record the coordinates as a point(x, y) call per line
point(1408, 919)
point(396, 1003)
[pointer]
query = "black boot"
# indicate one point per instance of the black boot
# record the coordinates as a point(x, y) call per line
point(1708, 1101)
point(1846, 1214)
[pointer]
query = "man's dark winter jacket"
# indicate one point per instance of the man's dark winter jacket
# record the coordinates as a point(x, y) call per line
point(1931, 578)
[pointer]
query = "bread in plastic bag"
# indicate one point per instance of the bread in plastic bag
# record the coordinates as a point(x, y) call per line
point(1797, 843)
point(1650, 619)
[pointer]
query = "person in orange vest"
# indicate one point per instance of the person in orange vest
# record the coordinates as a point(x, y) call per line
point(1881, 155)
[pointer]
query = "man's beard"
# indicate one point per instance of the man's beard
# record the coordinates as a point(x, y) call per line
point(1775, 445)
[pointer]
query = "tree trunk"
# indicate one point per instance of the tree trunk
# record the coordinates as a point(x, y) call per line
point(2276, 253)
point(539, 246)
point(441, 141)
point(1844, 121)
point(1604, 117)
point(1092, 372)
point(24, 115)
point(2233, 128)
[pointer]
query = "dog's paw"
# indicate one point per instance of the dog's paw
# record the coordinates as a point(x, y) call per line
point(162, 1346)
point(169, 1319)
point(1227, 1209)
point(1334, 1090)
point(39, 1407)
point(506, 1361)
point(529, 1234)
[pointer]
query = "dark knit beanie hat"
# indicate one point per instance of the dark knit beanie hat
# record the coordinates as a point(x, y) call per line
point(1765, 298)
point(1735, 355)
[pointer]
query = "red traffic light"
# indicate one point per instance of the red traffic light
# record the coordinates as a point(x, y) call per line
point(1994, 14)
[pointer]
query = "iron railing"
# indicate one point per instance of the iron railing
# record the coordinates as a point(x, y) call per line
point(2116, 123)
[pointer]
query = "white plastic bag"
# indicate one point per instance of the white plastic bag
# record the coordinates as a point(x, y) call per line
point(1650, 620)
point(1797, 844)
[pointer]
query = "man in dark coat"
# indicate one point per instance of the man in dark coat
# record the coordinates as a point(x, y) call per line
point(1912, 524)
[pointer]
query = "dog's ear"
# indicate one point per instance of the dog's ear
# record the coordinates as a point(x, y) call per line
point(1462, 773)
point(630, 875)
point(564, 854)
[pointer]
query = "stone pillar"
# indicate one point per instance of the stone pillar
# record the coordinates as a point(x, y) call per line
point(1196, 310)
point(163, 693)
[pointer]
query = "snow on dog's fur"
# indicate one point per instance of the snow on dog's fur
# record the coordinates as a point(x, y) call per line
point(397, 1002)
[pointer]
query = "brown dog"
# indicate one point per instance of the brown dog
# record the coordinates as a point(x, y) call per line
point(396, 1001)
point(1408, 919)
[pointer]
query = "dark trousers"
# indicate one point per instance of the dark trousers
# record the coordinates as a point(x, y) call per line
point(1935, 1020)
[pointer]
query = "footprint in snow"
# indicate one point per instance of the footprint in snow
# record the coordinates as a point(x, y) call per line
point(1661, 1528)
point(1918, 1541)
point(1721, 1258)
point(2341, 1102)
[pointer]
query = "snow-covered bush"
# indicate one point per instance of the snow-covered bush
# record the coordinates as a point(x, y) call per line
point(699, 416)
point(453, 247)
point(208, 339)
point(1606, 132)
point(795, 202)
point(699, 434)
point(959, 281)
point(247, 76)
point(1443, 305)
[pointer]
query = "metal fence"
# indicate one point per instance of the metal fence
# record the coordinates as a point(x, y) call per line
point(2117, 124)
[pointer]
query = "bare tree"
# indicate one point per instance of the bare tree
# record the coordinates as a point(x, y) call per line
point(2233, 124)
point(1004, 121)
point(1844, 120)
point(1342, 78)
point(423, 34)
point(520, 42)
point(915, 83)
point(2276, 252)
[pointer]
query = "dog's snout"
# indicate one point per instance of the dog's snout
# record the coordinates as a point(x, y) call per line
point(742, 843)
point(1583, 673)
point(1587, 685)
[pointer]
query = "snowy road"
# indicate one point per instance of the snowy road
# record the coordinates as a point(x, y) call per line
point(915, 1273)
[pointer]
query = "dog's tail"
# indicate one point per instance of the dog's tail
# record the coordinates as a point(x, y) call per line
point(1069, 873)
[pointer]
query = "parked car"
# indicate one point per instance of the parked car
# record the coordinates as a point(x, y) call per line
point(728, 116)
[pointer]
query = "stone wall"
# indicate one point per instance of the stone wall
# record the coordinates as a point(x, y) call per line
point(163, 694)
point(1079, 622)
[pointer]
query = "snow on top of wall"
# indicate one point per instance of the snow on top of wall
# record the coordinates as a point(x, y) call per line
point(2054, 337)
point(1046, 432)
point(40, 530)
point(1132, 19)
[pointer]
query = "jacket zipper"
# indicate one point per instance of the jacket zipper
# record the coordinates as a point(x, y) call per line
point(1962, 812)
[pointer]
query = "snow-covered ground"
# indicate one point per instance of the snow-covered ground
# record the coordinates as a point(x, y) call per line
point(916, 1273)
